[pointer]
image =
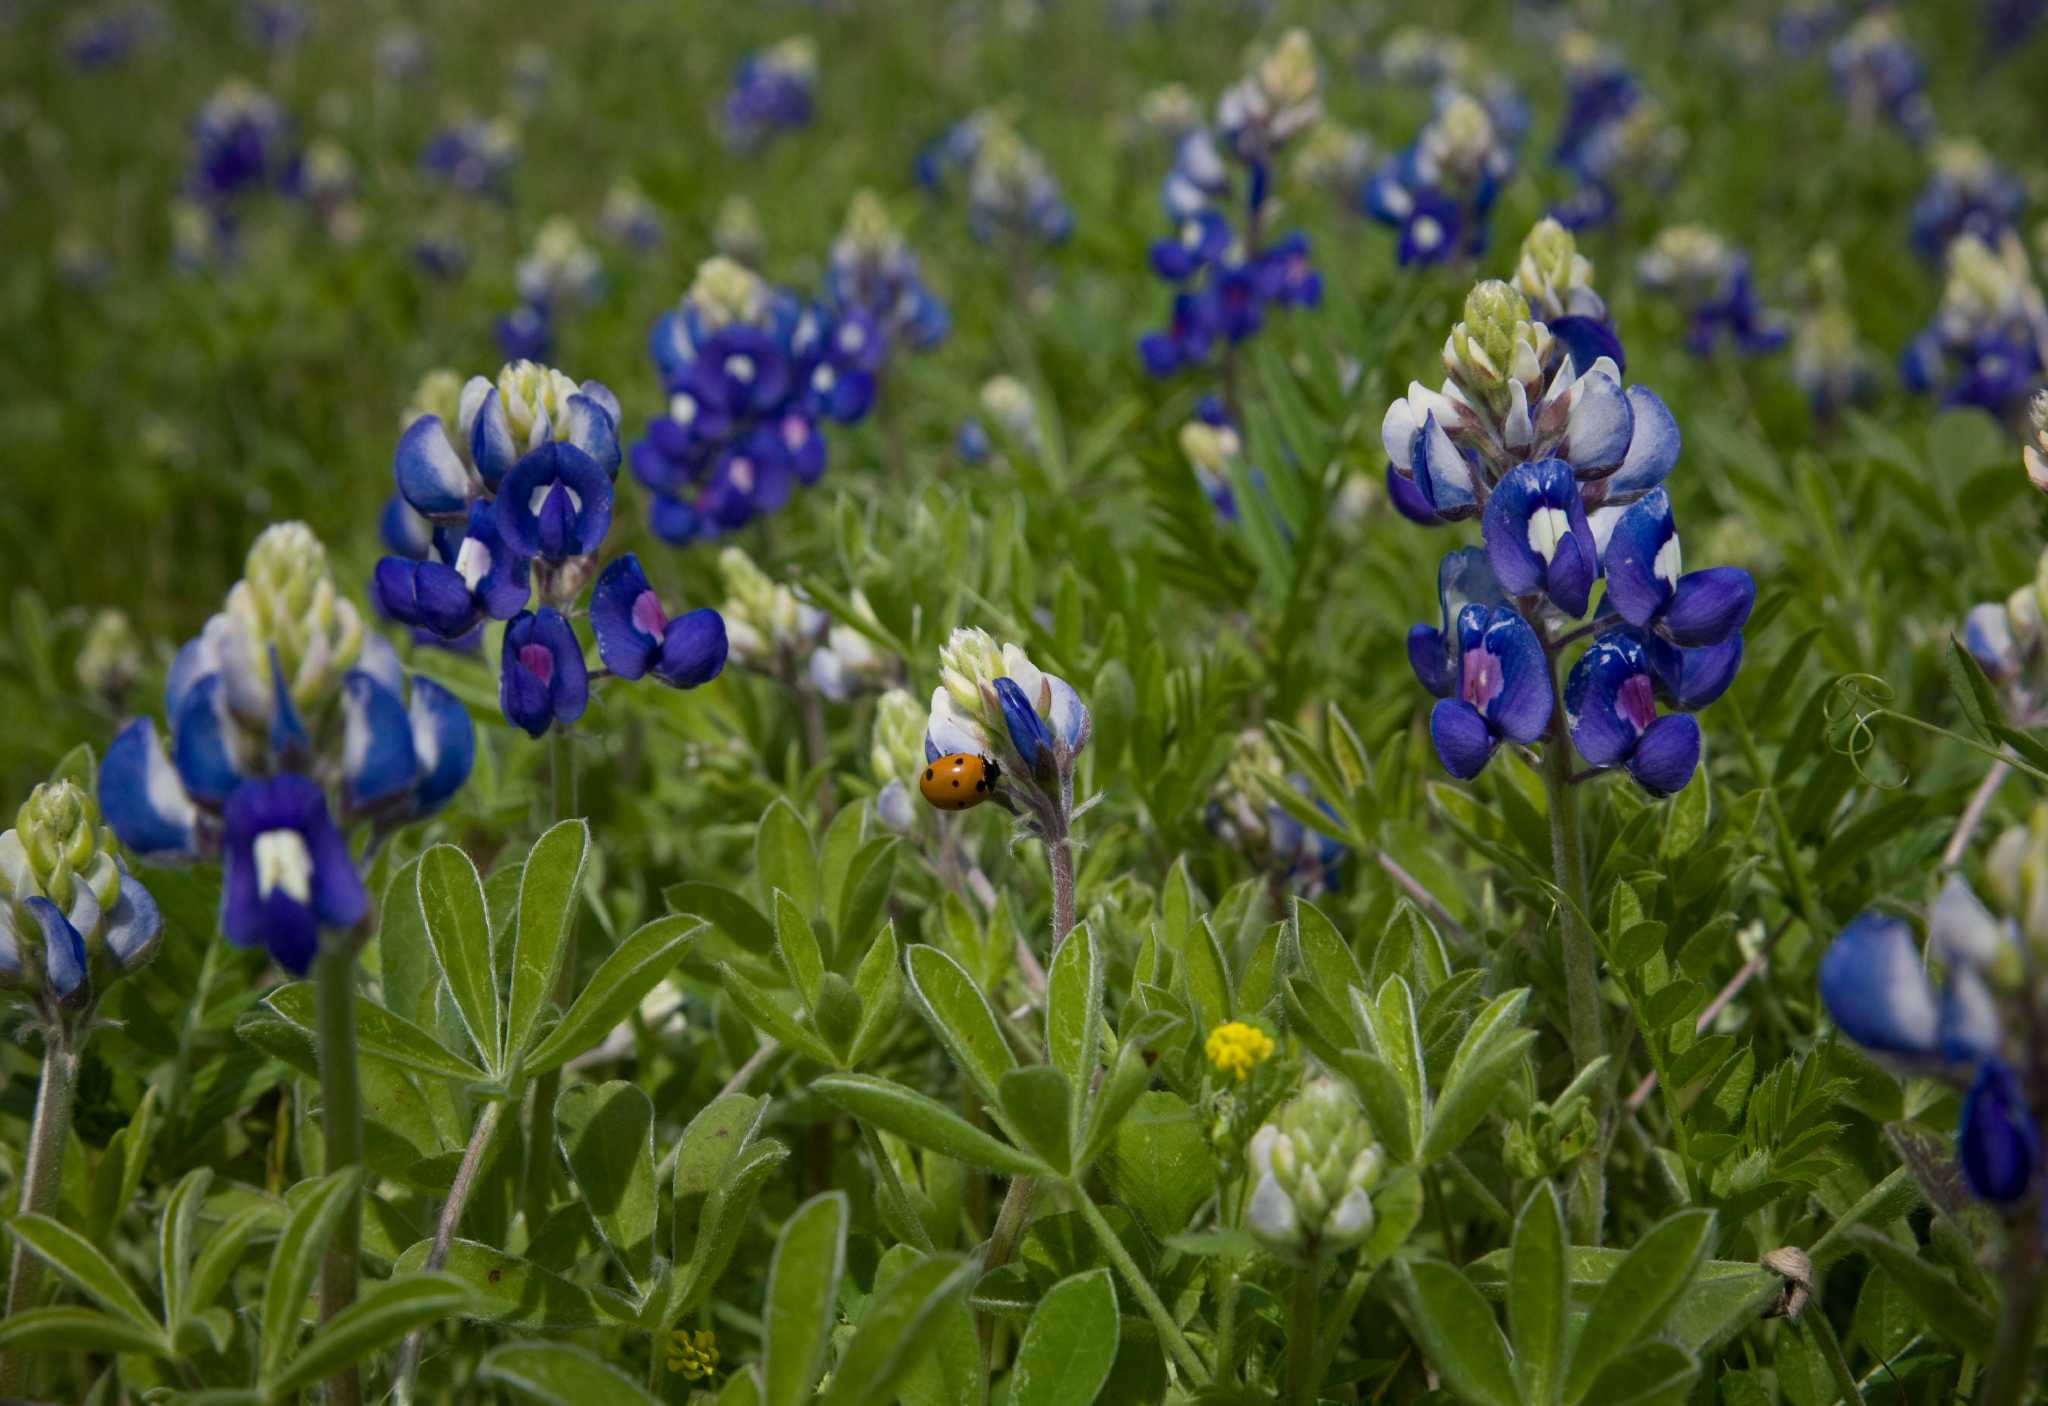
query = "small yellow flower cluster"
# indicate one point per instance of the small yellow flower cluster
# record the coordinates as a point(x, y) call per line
point(693, 1356)
point(1238, 1048)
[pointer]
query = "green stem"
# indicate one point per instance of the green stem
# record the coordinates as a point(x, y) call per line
point(41, 1175)
point(1830, 1347)
point(1333, 1334)
point(1301, 1333)
point(1169, 1331)
point(2009, 1377)
point(892, 1188)
point(537, 1176)
point(341, 1103)
point(1581, 969)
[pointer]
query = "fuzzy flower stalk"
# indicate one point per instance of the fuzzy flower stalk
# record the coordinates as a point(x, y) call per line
point(994, 703)
point(73, 921)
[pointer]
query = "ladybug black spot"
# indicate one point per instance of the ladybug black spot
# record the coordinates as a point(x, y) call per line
point(956, 783)
point(927, 773)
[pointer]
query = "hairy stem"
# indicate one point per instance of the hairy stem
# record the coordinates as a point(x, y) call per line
point(41, 1175)
point(341, 1109)
point(2009, 1377)
point(444, 1233)
point(537, 1176)
point(1302, 1313)
point(1177, 1345)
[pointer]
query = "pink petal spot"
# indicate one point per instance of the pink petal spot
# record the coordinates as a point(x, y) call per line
point(1636, 703)
point(648, 618)
point(796, 432)
point(1482, 679)
point(538, 660)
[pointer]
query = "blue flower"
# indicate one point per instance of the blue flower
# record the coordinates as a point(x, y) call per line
point(526, 333)
point(1877, 989)
point(1610, 707)
point(1439, 192)
point(1997, 1141)
point(474, 156)
point(479, 578)
point(1028, 732)
point(286, 872)
point(542, 679)
point(1967, 193)
point(635, 637)
point(1878, 74)
point(1644, 584)
point(1537, 538)
point(63, 952)
point(1500, 690)
point(772, 92)
point(1463, 578)
point(556, 504)
point(238, 143)
point(404, 529)
point(528, 407)
point(971, 442)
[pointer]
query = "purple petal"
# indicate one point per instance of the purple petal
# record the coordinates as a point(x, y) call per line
point(1463, 741)
point(1708, 606)
point(693, 649)
point(1666, 754)
point(1874, 986)
point(1641, 573)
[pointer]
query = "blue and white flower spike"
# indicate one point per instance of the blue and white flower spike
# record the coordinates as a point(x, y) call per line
point(1645, 585)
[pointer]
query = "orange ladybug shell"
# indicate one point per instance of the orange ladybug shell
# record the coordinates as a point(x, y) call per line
point(959, 781)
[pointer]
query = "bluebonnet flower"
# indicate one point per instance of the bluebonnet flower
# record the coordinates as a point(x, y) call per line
point(971, 442)
point(2035, 456)
point(1011, 192)
point(636, 637)
point(1165, 115)
point(750, 372)
point(1226, 275)
point(770, 629)
point(474, 156)
point(873, 281)
point(1243, 814)
point(1878, 75)
point(737, 232)
point(542, 679)
point(440, 254)
point(1710, 282)
point(1010, 404)
point(1334, 159)
point(324, 176)
point(72, 918)
point(1988, 340)
point(1615, 136)
point(402, 54)
point(527, 333)
point(1558, 282)
point(896, 756)
point(109, 657)
point(286, 871)
point(531, 70)
point(443, 467)
point(107, 36)
point(283, 685)
point(468, 579)
point(996, 702)
point(277, 24)
point(2008, 23)
point(773, 91)
point(560, 271)
point(1211, 445)
point(1803, 29)
point(1976, 1028)
point(1439, 192)
point(1564, 469)
point(239, 143)
point(1829, 361)
point(629, 218)
point(1966, 193)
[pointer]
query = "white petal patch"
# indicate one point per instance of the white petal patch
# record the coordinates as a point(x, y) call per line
point(473, 561)
point(283, 862)
point(1547, 528)
point(1669, 562)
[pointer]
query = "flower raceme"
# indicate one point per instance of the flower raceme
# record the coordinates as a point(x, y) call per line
point(72, 918)
point(990, 695)
point(1564, 469)
point(1313, 1169)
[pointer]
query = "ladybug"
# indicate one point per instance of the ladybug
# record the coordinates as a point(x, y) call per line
point(961, 780)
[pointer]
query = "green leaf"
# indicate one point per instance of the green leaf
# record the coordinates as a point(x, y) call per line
point(879, 984)
point(1159, 1162)
point(380, 1033)
point(626, 975)
point(1073, 1020)
point(1397, 1210)
point(926, 1122)
point(1323, 953)
point(867, 889)
point(1486, 1057)
point(1037, 1101)
point(902, 1318)
point(68, 1329)
point(803, 1287)
point(459, 930)
point(606, 1132)
point(1639, 1295)
point(726, 911)
point(222, 1254)
point(1648, 1374)
point(547, 907)
point(784, 859)
point(1069, 1345)
point(1458, 1334)
point(767, 1016)
point(724, 1217)
point(405, 960)
point(1385, 1098)
point(556, 1374)
point(1207, 977)
point(1390, 1020)
point(960, 1016)
point(82, 1263)
point(1539, 1295)
point(385, 1313)
point(796, 946)
point(721, 1128)
point(1950, 1310)
point(174, 1241)
point(1974, 691)
point(509, 1290)
point(296, 1260)
point(1128, 1078)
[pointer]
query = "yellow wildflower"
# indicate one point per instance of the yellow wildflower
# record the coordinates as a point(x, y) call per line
point(693, 1355)
point(1238, 1048)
